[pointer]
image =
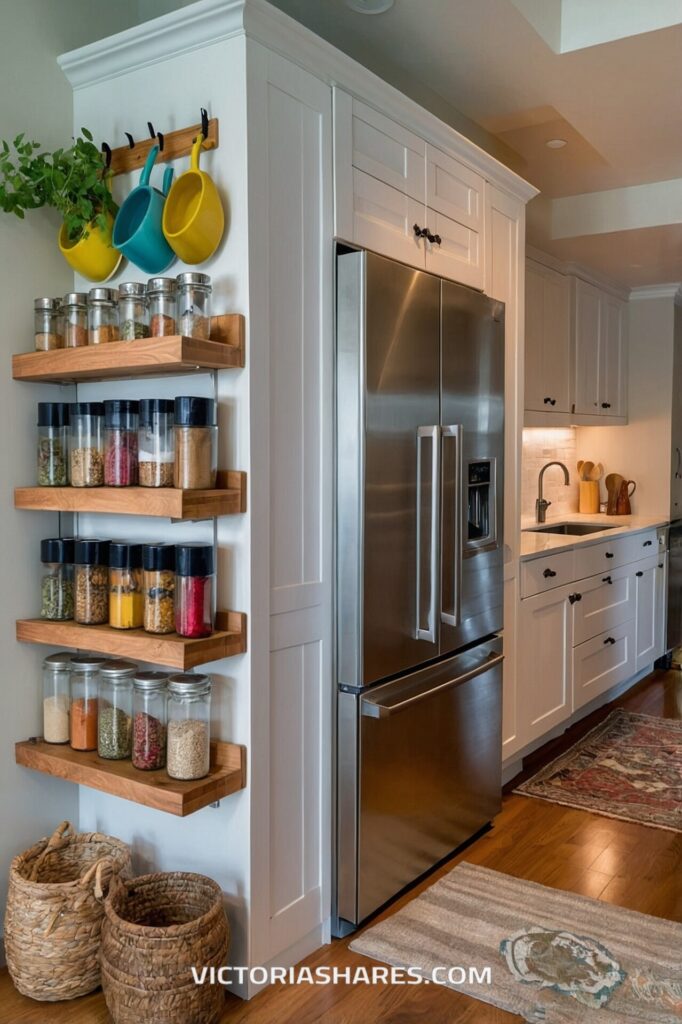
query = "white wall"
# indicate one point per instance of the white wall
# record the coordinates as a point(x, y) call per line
point(35, 98)
point(640, 451)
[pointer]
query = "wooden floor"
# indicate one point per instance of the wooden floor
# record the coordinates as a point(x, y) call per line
point(628, 865)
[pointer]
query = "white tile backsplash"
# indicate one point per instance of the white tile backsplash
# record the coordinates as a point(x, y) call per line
point(540, 446)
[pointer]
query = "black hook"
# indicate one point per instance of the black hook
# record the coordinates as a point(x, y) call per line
point(106, 149)
point(156, 135)
point(131, 140)
point(204, 123)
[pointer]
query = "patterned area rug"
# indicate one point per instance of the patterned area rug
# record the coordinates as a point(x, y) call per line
point(554, 957)
point(628, 767)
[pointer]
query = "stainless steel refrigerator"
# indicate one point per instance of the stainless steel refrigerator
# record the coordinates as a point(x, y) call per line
point(419, 555)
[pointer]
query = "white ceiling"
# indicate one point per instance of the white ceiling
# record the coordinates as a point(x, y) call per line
point(619, 103)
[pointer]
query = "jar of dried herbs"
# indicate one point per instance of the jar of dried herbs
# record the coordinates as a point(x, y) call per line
point(149, 720)
point(86, 448)
point(159, 587)
point(196, 443)
point(156, 443)
point(102, 316)
point(115, 712)
point(189, 726)
point(84, 701)
point(45, 312)
point(194, 305)
point(56, 697)
point(126, 598)
point(53, 430)
point(133, 311)
point(162, 293)
point(75, 308)
point(120, 443)
point(91, 558)
point(56, 588)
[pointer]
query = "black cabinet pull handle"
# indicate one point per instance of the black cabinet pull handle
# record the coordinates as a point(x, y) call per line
point(553, 401)
point(609, 640)
point(547, 401)
point(640, 573)
point(606, 579)
point(575, 597)
point(660, 565)
point(608, 554)
point(419, 232)
point(548, 573)
point(647, 543)
point(438, 240)
point(606, 405)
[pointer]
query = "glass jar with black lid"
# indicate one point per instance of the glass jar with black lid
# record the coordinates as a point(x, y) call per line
point(156, 443)
point(126, 594)
point(91, 560)
point(86, 447)
point(121, 420)
point(196, 443)
point(53, 444)
point(159, 587)
point(194, 590)
point(56, 588)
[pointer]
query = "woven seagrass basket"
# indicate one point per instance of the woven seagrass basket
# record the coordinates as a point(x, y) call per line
point(157, 927)
point(55, 909)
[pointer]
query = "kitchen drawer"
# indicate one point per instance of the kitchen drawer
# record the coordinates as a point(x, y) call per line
point(602, 603)
point(592, 559)
point(546, 572)
point(603, 662)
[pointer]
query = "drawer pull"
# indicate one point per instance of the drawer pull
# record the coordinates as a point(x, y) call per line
point(606, 579)
point(548, 573)
point(609, 640)
point(575, 597)
point(608, 554)
point(640, 573)
point(647, 543)
point(660, 565)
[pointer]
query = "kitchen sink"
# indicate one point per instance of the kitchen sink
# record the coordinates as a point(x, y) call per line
point(571, 529)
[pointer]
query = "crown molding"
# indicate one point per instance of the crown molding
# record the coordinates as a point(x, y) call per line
point(577, 270)
point(658, 291)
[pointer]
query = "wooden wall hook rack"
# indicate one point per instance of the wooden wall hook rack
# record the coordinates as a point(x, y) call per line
point(175, 144)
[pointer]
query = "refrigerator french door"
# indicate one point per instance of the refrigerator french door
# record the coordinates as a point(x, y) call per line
point(419, 550)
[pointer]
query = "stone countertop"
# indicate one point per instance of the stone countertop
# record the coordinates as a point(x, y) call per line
point(534, 543)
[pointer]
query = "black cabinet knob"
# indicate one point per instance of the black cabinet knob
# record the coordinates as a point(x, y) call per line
point(609, 640)
point(647, 543)
point(640, 573)
point(606, 579)
point(547, 401)
point(553, 402)
point(575, 597)
point(419, 232)
point(660, 565)
point(437, 239)
point(548, 573)
point(608, 554)
point(606, 405)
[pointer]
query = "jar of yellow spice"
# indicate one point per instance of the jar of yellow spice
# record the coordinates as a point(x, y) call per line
point(126, 594)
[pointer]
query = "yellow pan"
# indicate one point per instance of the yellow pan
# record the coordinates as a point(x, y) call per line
point(193, 217)
point(93, 257)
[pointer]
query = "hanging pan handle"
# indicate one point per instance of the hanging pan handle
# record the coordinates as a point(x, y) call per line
point(148, 165)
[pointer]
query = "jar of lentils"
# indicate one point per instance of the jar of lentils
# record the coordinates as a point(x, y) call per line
point(194, 305)
point(133, 311)
point(102, 316)
point(189, 726)
point(149, 720)
point(162, 293)
point(75, 309)
point(115, 710)
point(158, 561)
point(91, 558)
point(56, 589)
point(86, 448)
point(45, 316)
point(120, 443)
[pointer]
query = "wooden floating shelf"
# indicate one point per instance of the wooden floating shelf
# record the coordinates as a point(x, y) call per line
point(153, 789)
point(146, 357)
point(170, 650)
point(228, 498)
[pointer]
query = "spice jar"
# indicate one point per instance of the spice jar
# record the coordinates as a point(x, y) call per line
point(56, 697)
point(126, 599)
point(53, 429)
point(133, 311)
point(45, 313)
point(56, 589)
point(75, 307)
point(189, 726)
point(60, 322)
point(86, 454)
point(83, 707)
point(159, 587)
point(194, 590)
point(162, 293)
point(120, 443)
point(196, 443)
point(156, 443)
point(102, 316)
point(194, 305)
point(115, 710)
point(149, 720)
point(91, 558)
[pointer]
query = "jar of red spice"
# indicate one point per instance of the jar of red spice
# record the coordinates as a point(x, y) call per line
point(102, 316)
point(84, 702)
point(75, 310)
point(149, 720)
point(120, 443)
point(162, 293)
point(194, 590)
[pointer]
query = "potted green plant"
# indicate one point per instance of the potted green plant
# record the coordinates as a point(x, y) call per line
point(76, 183)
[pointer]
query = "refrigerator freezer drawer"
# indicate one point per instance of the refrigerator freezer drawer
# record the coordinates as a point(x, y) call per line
point(428, 774)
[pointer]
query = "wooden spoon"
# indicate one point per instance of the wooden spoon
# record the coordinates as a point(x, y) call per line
point(580, 466)
point(597, 472)
point(587, 469)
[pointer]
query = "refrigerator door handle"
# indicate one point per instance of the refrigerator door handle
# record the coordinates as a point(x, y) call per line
point(452, 573)
point(433, 434)
point(373, 709)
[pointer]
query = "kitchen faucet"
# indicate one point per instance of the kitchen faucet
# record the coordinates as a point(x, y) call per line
point(541, 505)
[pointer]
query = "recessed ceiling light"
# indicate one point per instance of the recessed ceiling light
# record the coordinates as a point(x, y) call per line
point(555, 143)
point(370, 6)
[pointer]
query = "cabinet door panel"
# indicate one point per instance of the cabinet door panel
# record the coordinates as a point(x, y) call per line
point(586, 348)
point(606, 601)
point(453, 189)
point(388, 151)
point(603, 662)
point(661, 615)
point(384, 219)
point(612, 355)
point(548, 340)
point(536, 392)
point(459, 256)
point(645, 575)
point(545, 644)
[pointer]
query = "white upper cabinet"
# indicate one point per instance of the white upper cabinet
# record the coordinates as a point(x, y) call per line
point(612, 358)
point(387, 151)
point(586, 365)
point(599, 353)
point(383, 219)
point(548, 340)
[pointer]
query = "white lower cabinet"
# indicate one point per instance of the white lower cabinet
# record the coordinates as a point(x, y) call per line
point(649, 634)
point(545, 648)
point(602, 662)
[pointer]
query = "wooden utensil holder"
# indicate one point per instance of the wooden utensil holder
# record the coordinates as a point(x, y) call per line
point(589, 497)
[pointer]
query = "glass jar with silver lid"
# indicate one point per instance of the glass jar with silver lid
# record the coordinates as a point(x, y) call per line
point(162, 293)
point(56, 692)
point(85, 671)
point(133, 311)
point(189, 726)
point(45, 322)
point(102, 316)
point(149, 720)
point(75, 308)
point(194, 305)
point(115, 712)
